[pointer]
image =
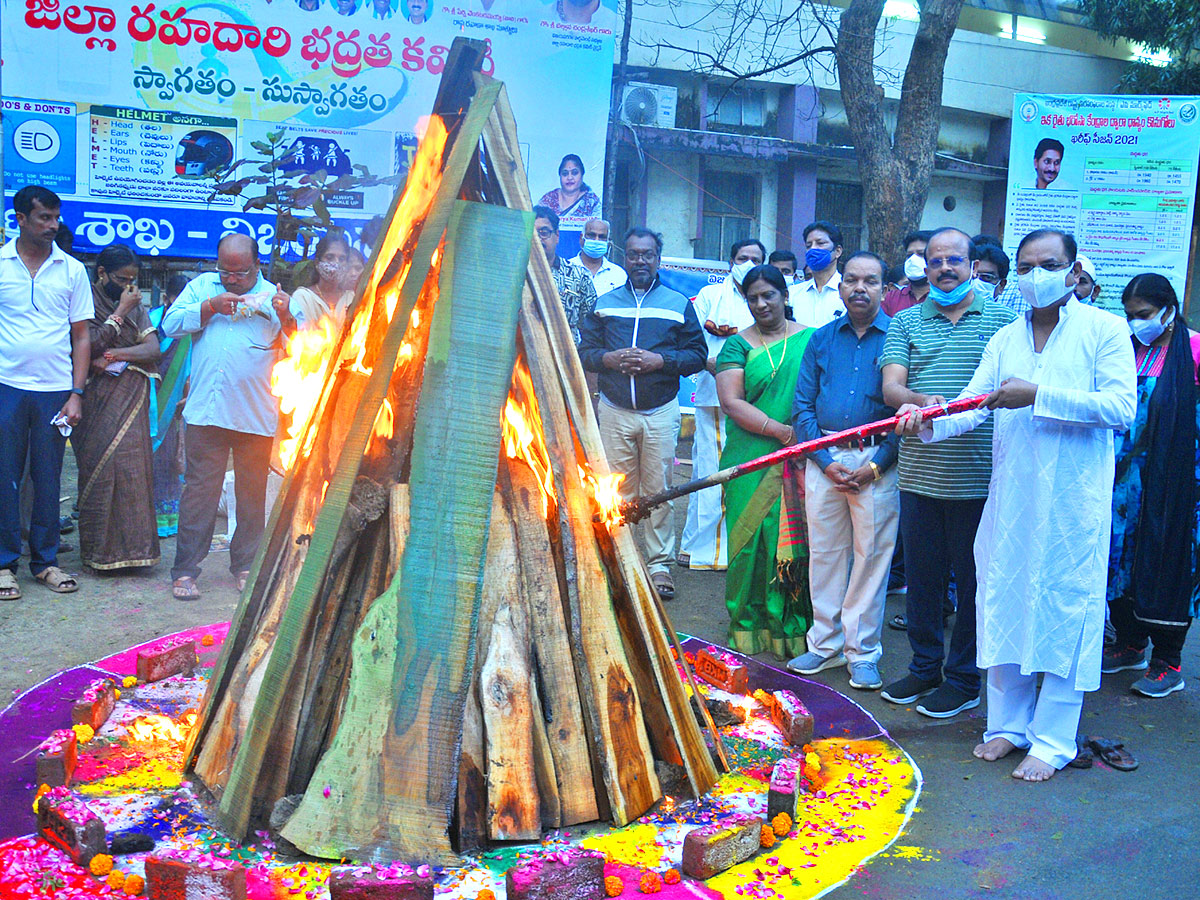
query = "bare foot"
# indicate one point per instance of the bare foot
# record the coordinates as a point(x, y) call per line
point(1033, 769)
point(994, 749)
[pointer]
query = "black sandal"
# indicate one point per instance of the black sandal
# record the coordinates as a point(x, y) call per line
point(1084, 757)
point(1113, 753)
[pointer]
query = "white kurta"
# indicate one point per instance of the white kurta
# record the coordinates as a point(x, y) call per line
point(703, 536)
point(1041, 551)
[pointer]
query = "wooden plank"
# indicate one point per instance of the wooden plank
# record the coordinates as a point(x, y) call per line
point(560, 698)
point(505, 696)
point(431, 607)
point(241, 794)
point(610, 695)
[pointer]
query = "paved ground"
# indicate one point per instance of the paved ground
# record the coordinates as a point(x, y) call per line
point(1095, 833)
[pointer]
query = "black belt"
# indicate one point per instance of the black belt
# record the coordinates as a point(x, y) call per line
point(871, 440)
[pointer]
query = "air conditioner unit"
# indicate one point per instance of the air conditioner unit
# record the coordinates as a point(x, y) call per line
point(649, 104)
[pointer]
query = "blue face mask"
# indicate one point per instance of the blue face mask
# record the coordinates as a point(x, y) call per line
point(949, 298)
point(817, 258)
point(595, 249)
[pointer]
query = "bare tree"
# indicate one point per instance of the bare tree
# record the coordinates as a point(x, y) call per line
point(745, 39)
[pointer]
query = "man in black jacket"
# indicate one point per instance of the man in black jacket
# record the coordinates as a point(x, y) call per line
point(641, 338)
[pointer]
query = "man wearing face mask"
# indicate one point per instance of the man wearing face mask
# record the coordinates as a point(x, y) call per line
point(991, 270)
point(917, 288)
point(930, 354)
point(1086, 289)
point(785, 261)
point(1061, 379)
point(817, 301)
point(593, 256)
point(722, 312)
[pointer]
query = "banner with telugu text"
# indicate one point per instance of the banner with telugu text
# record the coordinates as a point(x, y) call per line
point(1119, 172)
point(124, 110)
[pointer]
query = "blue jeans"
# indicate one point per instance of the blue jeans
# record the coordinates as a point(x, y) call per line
point(939, 536)
point(25, 428)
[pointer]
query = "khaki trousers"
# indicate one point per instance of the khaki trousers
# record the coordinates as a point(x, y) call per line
point(851, 538)
point(641, 446)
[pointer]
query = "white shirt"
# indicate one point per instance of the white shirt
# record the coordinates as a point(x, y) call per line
point(1041, 551)
point(607, 278)
point(813, 307)
point(35, 319)
point(724, 304)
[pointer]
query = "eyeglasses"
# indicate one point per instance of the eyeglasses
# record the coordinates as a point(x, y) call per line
point(641, 255)
point(952, 262)
point(988, 278)
point(1050, 266)
point(123, 281)
point(225, 273)
point(544, 232)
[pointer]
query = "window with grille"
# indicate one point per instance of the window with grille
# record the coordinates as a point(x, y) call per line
point(842, 204)
point(730, 211)
point(742, 107)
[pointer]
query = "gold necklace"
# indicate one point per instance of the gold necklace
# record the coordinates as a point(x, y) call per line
point(771, 359)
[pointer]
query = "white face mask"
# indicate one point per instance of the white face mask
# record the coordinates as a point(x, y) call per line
point(1147, 331)
point(739, 270)
point(1041, 287)
point(984, 289)
point(914, 267)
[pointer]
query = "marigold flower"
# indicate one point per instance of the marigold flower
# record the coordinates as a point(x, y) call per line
point(671, 876)
point(766, 837)
point(130, 681)
point(485, 894)
point(613, 886)
point(83, 733)
point(650, 883)
point(134, 885)
point(41, 791)
point(208, 641)
point(100, 865)
point(781, 824)
point(116, 879)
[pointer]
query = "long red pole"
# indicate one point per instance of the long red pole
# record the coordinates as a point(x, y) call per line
point(638, 508)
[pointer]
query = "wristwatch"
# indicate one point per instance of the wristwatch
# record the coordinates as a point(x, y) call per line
point(876, 470)
point(78, 391)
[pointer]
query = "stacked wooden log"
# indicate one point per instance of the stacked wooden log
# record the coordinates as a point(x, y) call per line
point(429, 652)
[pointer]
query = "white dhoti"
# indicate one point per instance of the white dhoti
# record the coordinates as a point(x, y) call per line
point(1045, 722)
point(704, 530)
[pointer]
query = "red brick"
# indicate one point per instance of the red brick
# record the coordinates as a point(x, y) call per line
point(373, 886)
point(715, 847)
point(175, 658)
point(722, 670)
point(785, 788)
point(56, 758)
point(792, 718)
point(177, 879)
point(66, 822)
point(96, 704)
point(567, 875)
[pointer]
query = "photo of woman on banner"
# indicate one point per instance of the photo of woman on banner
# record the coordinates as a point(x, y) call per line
point(572, 198)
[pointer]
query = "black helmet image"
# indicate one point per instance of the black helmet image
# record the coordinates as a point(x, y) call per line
point(202, 152)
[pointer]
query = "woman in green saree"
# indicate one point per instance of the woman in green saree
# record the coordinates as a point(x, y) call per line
point(766, 585)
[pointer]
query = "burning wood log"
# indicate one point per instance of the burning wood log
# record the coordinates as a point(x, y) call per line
point(438, 647)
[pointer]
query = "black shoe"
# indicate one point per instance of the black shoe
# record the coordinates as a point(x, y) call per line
point(898, 622)
point(947, 701)
point(1120, 659)
point(908, 689)
point(66, 525)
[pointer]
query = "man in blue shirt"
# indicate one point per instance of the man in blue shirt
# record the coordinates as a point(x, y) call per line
point(851, 502)
point(231, 315)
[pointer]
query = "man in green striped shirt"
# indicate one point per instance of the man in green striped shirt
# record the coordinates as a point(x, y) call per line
point(932, 350)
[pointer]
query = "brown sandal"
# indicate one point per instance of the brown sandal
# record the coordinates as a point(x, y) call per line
point(9, 589)
point(57, 580)
point(663, 584)
point(184, 588)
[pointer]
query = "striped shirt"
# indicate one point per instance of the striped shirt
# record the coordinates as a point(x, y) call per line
point(941, 357)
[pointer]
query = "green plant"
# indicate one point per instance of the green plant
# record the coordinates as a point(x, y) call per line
point(300, 200)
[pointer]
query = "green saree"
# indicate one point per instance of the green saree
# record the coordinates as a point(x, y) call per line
point(766, 584)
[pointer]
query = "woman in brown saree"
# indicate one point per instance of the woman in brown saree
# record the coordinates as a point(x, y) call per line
point(117, 524)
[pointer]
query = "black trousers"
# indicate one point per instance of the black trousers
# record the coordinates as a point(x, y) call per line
point(206, 452)
point(1133, 632)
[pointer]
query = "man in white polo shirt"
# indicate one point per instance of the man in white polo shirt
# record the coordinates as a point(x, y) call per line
point(593, 256)
point(45, 306)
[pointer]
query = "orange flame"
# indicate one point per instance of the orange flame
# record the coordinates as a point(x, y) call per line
point(161, 729)
point(606, 494)
point(521, 426)
point(297, 380)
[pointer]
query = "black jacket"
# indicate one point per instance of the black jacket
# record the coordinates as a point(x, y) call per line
point(664, 322)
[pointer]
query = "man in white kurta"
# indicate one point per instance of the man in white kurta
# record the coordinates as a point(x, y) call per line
point(722, 312)
point(1061, 379)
